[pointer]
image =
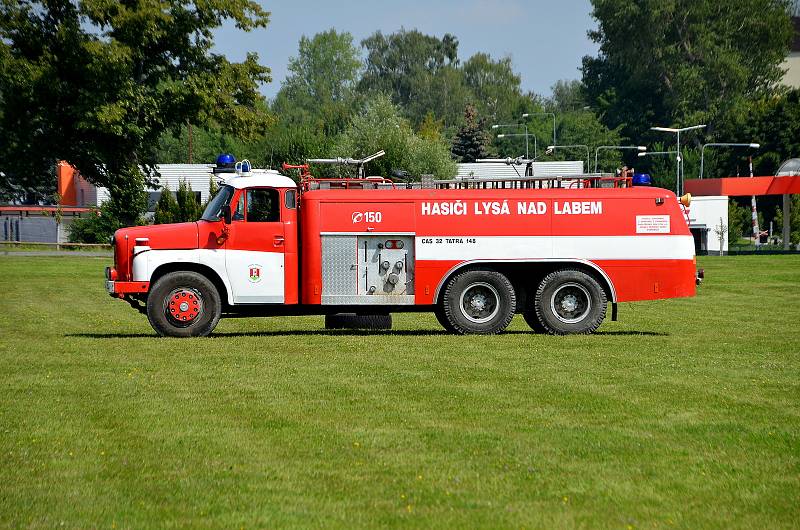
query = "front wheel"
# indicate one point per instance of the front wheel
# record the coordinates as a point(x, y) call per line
point(569, 302)
point(478, 301)
point(183, 304)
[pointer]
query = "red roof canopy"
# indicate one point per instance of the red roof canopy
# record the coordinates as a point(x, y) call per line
point(741, 186)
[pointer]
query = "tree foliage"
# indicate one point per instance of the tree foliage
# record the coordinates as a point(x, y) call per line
point(773, 122)
point(740, 221)
point(207, 143)
point(496, 90)
point(380, 126)
point(794, 219)
point(97, 82)
point(420, 73)
point(469, 143)
point(188, 205)
point(423, 73)
point(665, 62)
point(320, 87)
point(166, 208)
point(96, 227)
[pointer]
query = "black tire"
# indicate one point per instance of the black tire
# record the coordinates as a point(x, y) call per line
point(176, 289)
point(353, 321)
point(570, 302)
point(479, 302)
point(442, 318)
point(532, 319)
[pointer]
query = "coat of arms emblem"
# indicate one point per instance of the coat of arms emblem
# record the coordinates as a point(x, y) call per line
point(255, 273)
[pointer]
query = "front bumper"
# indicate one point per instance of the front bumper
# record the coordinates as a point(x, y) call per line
point(120, 289)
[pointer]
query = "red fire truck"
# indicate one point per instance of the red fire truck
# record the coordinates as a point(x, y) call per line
point(475, 252)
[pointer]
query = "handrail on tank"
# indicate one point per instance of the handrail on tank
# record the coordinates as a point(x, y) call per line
point(307, 181)
point(582, 180)
point(359, 163)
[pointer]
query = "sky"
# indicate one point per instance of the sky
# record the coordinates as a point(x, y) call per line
point(545, 39)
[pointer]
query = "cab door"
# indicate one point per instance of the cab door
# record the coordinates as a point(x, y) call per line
point(254, 251)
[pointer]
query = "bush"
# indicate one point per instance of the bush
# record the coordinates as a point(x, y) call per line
point(380, 126)
point(166, 208)
point(97, 227)
point(188, 205)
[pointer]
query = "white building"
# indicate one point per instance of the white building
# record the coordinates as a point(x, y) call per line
point(76, 191)
point(792, 62)
point(708, 216)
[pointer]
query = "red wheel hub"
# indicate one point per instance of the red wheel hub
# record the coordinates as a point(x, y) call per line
point(184, 305)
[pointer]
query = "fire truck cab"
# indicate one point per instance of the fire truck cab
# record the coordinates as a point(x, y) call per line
point(473, 255)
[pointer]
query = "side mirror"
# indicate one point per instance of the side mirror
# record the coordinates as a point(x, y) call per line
point(226, 214)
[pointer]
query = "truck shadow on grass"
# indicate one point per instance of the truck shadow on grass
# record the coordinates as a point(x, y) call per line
point(342, 333)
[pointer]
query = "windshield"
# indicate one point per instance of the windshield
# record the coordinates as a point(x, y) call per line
point(215, 205)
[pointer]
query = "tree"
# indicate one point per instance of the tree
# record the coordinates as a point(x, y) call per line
point(664, 62)
point(444, 94)
point(740, 221)
point(469, 143)
point(167, 210)
point(213, 188)
point(207, 144)
point(431, 128)
point(496, 88)
point(187, 203)
point(774, 122)
point(320, 86)
point(96, 227)
point(568, 95)
point(794, 219)
point(380, 126)
point(584, 128)
point(409, 65)
point(97, 83)
point(284, 142)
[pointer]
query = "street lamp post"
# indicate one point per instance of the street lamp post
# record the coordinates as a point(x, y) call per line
point(702, 150)
point(678, 132)
point(551, 148)
point(535, 144)
point(659, 153)
point(552, 114)
point(506, 125)
point(753, 206)
point(618, 147)
point(651, 153)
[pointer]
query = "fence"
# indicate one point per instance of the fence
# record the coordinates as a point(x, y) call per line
point(58, 246)
point(765, 249)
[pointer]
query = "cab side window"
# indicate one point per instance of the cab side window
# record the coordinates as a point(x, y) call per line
point(263, 205)
point(238, 213)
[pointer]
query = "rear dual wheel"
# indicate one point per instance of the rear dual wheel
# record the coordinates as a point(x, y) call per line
point(477, 302)
point(567, 302)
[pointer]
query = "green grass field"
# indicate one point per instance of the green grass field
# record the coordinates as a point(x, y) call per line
point(685, 414)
